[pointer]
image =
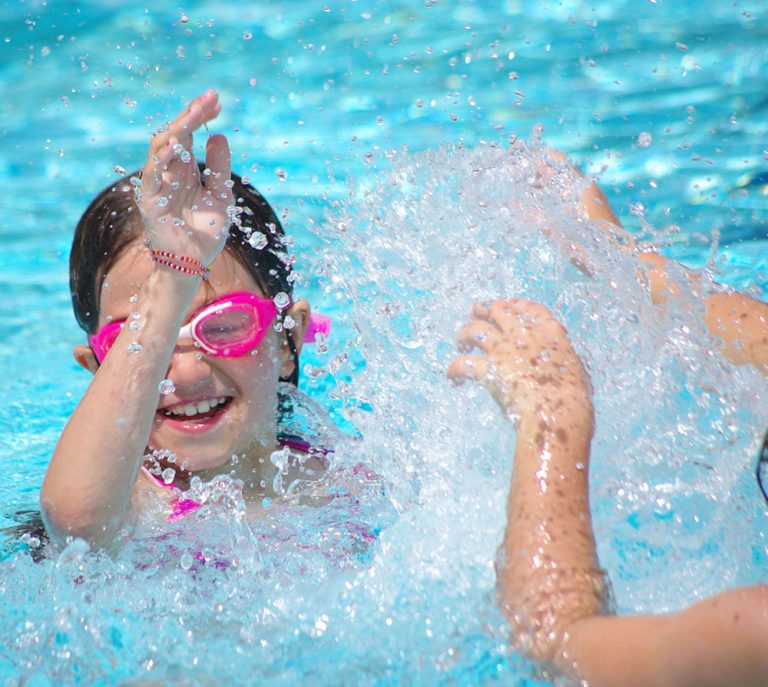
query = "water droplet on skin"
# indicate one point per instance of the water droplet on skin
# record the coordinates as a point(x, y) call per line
point(166, 387)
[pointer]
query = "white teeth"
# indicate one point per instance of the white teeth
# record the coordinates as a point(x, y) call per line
point(191, 409)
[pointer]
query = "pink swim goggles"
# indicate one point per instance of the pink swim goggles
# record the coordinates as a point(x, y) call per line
point(230, 326)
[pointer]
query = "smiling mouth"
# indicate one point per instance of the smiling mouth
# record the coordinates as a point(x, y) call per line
point(199, 412)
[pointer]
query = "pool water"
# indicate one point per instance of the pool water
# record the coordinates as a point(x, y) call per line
point(398, 142)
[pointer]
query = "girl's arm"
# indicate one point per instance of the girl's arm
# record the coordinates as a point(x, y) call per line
point(740, 321)
point(89, 482)
point(550, 583)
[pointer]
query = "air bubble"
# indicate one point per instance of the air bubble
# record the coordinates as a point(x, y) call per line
point(168, 475)
point(134, 347)
point(186, 561)
point(185, 156)
point(161, 202)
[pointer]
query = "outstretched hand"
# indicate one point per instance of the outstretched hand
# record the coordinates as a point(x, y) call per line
point(525, 358)
point(182, 213)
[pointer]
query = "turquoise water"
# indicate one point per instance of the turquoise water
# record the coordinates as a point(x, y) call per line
point(371, 126)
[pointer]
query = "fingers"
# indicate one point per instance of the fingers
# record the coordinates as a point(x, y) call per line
point(218, 159)
point(473, 368)
point(200, 111)
point(478, 334)
point(170, 151)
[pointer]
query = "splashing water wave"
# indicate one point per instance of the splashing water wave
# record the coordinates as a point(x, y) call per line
point(393, 583)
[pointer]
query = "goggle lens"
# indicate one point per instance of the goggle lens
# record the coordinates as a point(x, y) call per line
point(220, 330)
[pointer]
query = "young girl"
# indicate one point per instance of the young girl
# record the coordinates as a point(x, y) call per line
point(185, 293)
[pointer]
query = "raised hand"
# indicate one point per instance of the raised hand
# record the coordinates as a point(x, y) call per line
point(183, 213)
point(525, 358)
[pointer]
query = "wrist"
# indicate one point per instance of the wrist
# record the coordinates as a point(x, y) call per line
point(571, 416)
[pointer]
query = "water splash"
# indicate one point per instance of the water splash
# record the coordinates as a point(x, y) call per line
point(677, 426)
point(414, 245)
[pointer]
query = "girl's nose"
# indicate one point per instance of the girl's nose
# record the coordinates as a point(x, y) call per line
point(188, 370)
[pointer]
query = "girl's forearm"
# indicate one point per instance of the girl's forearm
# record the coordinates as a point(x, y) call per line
point(90, 478)
point(549, 574)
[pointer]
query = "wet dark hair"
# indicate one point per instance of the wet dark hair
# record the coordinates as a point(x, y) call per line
point(112, 222)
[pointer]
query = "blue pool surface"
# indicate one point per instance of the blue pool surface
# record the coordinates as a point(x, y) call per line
point(381, 132)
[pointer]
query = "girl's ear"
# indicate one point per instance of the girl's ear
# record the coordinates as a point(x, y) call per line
point(85, 358)
point(299, 313)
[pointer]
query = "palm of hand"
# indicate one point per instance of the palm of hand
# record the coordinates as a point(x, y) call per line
point(183, 216)
point(183, 213)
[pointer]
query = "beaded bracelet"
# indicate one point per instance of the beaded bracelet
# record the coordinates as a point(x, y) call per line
point(180, 263)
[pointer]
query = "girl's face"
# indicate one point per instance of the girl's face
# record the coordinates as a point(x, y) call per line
point(220, 406)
